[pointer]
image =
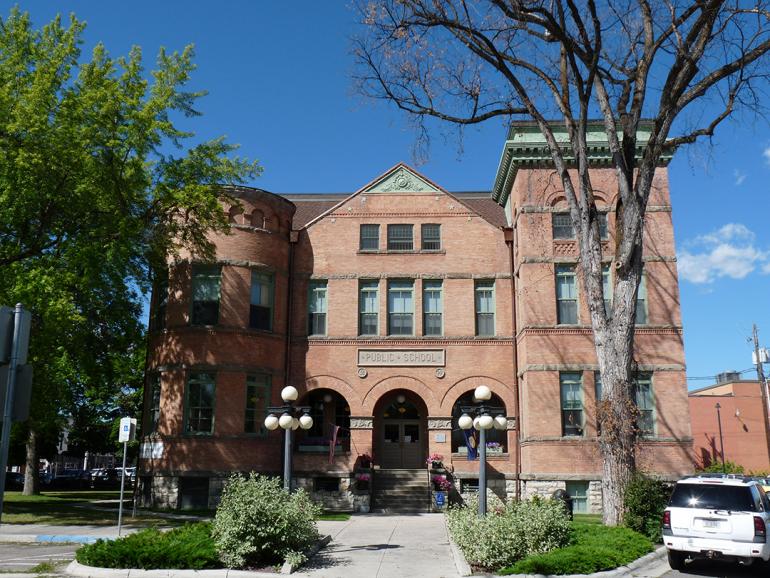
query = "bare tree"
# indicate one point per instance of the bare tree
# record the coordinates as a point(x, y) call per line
point(665, 63)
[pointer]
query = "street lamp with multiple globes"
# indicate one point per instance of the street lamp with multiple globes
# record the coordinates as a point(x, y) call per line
point(289, 417)
point(482, 417)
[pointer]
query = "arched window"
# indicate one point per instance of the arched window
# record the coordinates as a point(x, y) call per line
point(328, 409)
point(235, 215)
point(258, 219)
point(497, 440)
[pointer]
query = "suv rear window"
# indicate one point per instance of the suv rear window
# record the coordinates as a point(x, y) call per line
point(716, 497)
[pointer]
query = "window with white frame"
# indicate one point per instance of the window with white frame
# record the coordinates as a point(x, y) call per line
point(370, 238)
point(401, 307)
point(206, 280)
point(432, 307)
point(562, 226)
point(571, 385)
point(199, 404)
point(369, 307)
point(317, 300)
point(431, 237)
point(485, 307)
point(641, 301)
point(261, 308)
point(645, 404)
point(400, 238)
point(566, 295)
point(578, 491)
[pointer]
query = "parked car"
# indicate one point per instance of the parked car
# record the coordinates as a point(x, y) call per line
point(14, 481)
point(72, 479)
point(717, 516)
point(105, 478)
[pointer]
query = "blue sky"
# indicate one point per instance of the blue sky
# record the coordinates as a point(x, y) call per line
point(278, 76)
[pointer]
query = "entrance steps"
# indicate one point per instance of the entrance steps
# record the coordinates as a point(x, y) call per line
point(401, 491)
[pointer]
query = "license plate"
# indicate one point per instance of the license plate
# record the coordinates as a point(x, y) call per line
point(711, 523)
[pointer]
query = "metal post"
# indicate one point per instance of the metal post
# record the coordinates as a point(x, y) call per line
point(721, 440)
point(122, 486)
point(8, 409)
point(482, 473)
point(287, 461)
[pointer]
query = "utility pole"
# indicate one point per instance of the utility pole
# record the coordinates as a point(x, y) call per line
point(762, 387)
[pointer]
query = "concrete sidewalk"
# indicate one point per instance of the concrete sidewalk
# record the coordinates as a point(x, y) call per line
point(22, 533)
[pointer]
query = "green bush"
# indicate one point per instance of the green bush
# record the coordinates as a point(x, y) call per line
point(258, 523)
point(594, 548)
point(508, 532)
point(190, 546)
point(717, 468)
point(645, 500)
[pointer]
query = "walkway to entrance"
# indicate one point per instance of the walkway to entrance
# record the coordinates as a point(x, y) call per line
point(378, 546)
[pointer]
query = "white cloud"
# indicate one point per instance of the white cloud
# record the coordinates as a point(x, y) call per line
point(739, 177)
point(766, 154)
point(726, 252)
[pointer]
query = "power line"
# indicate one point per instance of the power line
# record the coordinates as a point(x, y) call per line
point(714, 377)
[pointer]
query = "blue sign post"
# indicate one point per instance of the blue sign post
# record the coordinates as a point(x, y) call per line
point(440, 499)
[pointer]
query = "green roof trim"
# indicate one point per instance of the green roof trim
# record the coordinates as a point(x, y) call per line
point(527, 147)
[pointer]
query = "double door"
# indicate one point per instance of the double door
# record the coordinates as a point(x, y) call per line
point(401, 444)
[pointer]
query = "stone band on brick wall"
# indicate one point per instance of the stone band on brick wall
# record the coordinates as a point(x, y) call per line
point(361, 422)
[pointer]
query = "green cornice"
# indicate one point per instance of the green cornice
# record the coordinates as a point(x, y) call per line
point(527, 147)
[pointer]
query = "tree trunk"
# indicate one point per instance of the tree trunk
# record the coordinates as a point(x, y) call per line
point(31, 474)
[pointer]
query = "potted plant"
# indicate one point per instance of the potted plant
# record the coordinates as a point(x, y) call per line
point(494, 447)
point(362, 481)
point(435, 461)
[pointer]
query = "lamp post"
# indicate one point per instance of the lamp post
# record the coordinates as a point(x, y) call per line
point(721, 441)
point(289, 417)
point(482, 417)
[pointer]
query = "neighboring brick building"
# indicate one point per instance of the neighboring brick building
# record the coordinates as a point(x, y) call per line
point(386, 309)
point(744, 427)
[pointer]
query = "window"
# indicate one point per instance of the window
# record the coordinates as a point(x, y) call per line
point(261, 311)
point(645, 404)
point(258, 219)
point(431, 237)
point(641, 302)
point(154, 402)
point(485, 307)
point(158, 318)
point(205, 293)
point(432, 308)
point(400, 238)
point(603, 231)
point(401, 307)
point(317, 308)
point(369, 238)
point(199, 404)
point(598, 398)
point(578, 491)
point(257, 400)
point(369, 306)
point(607, 290)
point(562, 226)
point(571, 404)
point(566, 295)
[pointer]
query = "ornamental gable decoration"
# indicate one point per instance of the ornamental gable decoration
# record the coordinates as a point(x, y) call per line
point(401, 180)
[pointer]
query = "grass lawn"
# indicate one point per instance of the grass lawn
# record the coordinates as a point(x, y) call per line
point(64, 508)
point(594, 548)
point(334, 516)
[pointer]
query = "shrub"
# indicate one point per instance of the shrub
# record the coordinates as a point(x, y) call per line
point(508, 532)
point(190, 546)
point(717, 468)
point(645, 500)
point(259, 523)
point(594, 548)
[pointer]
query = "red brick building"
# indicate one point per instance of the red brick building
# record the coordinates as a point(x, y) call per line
point(386, 308)
point(744, 427)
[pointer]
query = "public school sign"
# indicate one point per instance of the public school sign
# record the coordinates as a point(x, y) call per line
point(403, 357)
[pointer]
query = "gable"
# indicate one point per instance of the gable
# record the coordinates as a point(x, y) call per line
point(401, 180)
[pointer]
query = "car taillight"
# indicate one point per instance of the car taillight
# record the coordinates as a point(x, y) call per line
point(667, 520)
point(760, 531)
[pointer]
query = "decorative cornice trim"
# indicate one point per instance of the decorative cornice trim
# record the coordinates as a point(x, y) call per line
point(214, 368)
point(532, 259)
point(401, 342)
point(337, 276)
point(595, 367)
point(588, 330)
point(541, 209)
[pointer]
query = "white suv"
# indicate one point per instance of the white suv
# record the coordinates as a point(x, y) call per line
point(717, 516)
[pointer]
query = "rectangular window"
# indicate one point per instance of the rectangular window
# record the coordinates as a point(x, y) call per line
point(431, 237)
point(261, 312)
point(485, 307)
point(566, 295)
point(641, 301)
point(571, 404)
point(369, 307)
point(400, 238)
point(154, 402)
point(199, 404)
point(607, 289)
point(578, 491)
point(562, 226)
point(317, 308)
point(603, 231)
point(206, 280)
point(257, 400)
point(401, 307)
point(432, 307)
point(598, 398)
point(645, 404)
point(370, 238)
point(158, 318)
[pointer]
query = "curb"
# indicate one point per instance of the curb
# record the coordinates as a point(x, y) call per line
point(53, 538)
point(463, 568)
point(289, 568)
point(76, 569)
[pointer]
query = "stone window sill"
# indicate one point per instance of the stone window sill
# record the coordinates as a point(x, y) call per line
point(406, 252)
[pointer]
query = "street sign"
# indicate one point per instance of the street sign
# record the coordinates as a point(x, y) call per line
point(22, 391)
point(127, 429)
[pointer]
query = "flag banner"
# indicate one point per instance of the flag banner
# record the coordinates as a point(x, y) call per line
point(333, 443)
point(471, 443)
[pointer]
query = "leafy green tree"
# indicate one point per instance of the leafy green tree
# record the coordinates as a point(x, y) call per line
point(98, 186)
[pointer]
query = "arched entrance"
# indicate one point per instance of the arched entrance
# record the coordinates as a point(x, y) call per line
point(400, 430)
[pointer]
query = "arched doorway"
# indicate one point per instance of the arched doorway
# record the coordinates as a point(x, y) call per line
point(400, 419)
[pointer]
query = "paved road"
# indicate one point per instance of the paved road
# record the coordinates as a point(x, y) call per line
point(714, 569)
point(23, 557)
